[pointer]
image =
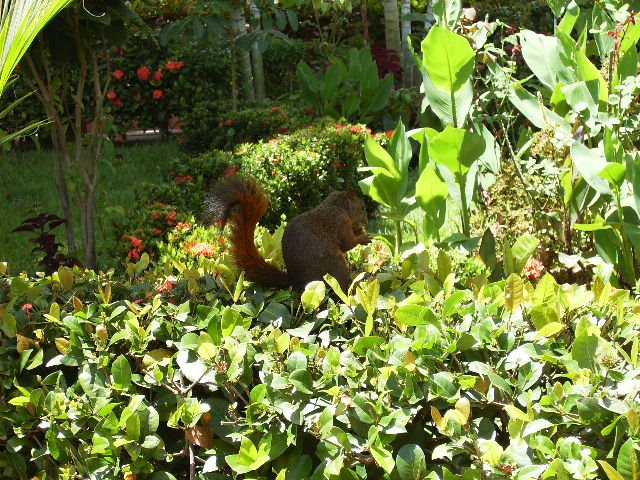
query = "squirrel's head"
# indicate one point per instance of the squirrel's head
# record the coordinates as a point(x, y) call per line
point(352, 203)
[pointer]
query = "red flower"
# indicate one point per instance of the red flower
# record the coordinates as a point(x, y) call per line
point(339, 164)
point(357, 129)
point(118, 74)
point(229, 123)
point(157, 231)
point(177, 65)
point(157, 94)
point(534, 268)
point(167, 286)
point(283, 130)
point(157, 77)
point(112, 95)
point(389, 133)
point(182, 179)
point(171, 218)
point(117, 102)
point(338, 126)
point(136, 242)
point(275, 109)
point(134, 254)
point(27, 307)
point(144, 73)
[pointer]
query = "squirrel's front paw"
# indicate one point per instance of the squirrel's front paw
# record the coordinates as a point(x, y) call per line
point(364, 239)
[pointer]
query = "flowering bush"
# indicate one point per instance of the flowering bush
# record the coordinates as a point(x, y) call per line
point(138, 97)
point(297, 171)
point(213, 124)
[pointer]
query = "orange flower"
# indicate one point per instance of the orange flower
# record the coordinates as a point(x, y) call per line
point(200, 248)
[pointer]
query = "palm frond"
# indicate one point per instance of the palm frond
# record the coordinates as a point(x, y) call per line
point(20, 22)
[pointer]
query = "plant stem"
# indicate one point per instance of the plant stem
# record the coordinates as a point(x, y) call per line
point(398, 226)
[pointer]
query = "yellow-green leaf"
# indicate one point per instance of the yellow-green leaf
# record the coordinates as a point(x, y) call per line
point(513, 292)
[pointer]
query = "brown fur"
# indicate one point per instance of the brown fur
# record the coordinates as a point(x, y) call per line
point(313, 243)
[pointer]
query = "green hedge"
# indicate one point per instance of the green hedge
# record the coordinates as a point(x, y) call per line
point(411, 377)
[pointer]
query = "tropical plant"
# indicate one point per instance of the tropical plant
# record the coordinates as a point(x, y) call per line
point(350, 90)
point(20, 22)
point(586, 121)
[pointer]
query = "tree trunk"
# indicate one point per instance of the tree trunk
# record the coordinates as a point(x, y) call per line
point(61, 160)
point(407, 57)
point(238, 28)
point(365, 22)
point(392, 26)
point(256, 57)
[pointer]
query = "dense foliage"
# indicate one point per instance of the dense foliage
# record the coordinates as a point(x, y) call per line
point(460, 350)
point(297, 170)
point(396, 379)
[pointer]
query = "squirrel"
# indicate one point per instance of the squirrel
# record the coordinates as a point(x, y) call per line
point(313, 243)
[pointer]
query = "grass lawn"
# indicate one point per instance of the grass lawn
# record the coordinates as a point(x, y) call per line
point(27, 188)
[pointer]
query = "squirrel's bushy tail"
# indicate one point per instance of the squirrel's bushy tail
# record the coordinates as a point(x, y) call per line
point(241, 200)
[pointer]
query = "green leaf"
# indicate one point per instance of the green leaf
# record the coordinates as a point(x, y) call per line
point(547, 59)
point(584, 350)
point(416, 315)
point(301, 379)
point(364, 344)
point(431, 195)
point(410, 462)
point(244, 460)
point(448, 59)
point(522, 250)
point(383, 457)
point(313, 295)
point(614, 173)
point(627, 463)
point(444, 386)
point(534, 109)
point(230, 319)
point(612, 473)
point(589, 163)
point(121, 372)
point(457, 149)
point(513, 292)
point(447, 12)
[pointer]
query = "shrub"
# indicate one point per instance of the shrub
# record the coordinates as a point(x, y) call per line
point(300, 169)
point(155, 374)
point(151, 85)
point(162, 211)
point(214, 125)
point(296, 170)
